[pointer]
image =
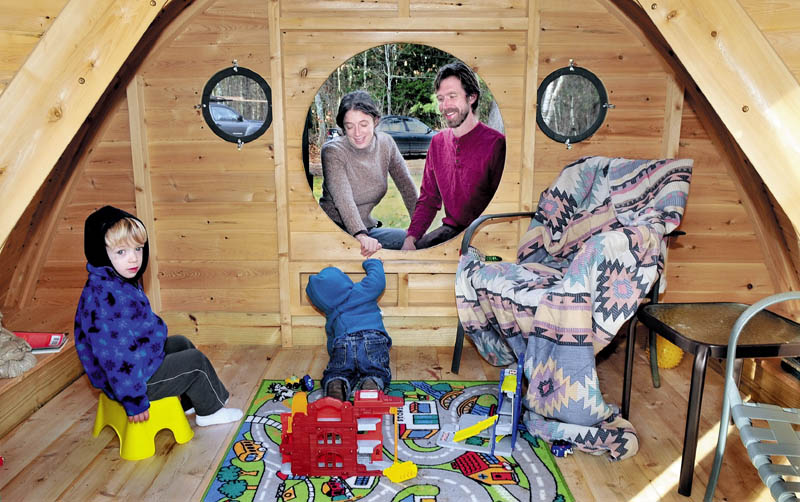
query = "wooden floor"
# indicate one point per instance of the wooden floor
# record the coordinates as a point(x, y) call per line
point(53, 456)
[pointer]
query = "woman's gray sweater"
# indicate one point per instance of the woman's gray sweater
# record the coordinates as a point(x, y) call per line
point(355, 180)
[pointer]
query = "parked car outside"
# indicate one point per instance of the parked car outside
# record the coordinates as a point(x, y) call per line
point(412, 136)
point(231, 121)
point(333, 132)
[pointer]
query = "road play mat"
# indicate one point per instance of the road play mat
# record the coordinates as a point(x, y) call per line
point(252, 468)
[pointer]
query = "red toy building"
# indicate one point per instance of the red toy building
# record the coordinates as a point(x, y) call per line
point(335, 438)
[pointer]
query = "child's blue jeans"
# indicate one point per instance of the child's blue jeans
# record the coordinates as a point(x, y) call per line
point(357, 356)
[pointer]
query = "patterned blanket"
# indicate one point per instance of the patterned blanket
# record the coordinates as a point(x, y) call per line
point(589, 257)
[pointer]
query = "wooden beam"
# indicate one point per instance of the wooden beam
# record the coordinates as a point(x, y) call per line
point(281, 178)
point(140, 157)
point(746, 82)
point(673, 115)
point(527, 197)
point(58, 86)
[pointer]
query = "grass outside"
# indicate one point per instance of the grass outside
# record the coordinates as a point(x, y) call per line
point(390, 210)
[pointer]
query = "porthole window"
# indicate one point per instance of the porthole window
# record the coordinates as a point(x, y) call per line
point(571, 104)
point(387, 95)
point(237, 104)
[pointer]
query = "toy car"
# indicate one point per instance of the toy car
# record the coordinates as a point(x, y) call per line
point(307, 383)
point(293, 382)
point(561, 448)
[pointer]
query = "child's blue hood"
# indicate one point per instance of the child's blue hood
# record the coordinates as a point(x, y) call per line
point(329, 288)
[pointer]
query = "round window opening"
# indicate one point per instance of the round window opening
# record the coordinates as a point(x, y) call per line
point(571, 104)
point(367, 136)
point(237, 104)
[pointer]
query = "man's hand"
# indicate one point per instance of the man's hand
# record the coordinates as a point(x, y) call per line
point(369, 246)
point(408, 243)
point(141, 417)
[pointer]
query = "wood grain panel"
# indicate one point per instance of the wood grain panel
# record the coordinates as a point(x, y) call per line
point(216, 299)
point(217, 216)
point(340, 7)
point(233, 328)
point(222, 30)
point(476, 8)
point(205, 60)
point(217, 274)
point(174, 187)
point(212, 156)
point(210, 245)
point(405, 330)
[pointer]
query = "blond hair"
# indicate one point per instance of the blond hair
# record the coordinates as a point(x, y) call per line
point(126, 231)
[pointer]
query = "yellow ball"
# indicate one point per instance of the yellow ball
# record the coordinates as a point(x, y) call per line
point(669, 354)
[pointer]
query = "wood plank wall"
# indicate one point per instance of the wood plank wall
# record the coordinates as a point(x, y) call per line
point(227, 273)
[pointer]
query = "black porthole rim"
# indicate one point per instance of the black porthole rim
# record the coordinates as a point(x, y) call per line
point(572, 70)
point(206, 98)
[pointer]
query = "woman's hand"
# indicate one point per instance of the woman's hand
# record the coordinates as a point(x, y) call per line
point(140, 417)
point(369, 246)
point(409, 243)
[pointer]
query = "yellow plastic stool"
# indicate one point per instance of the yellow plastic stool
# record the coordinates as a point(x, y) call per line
point(137, 441)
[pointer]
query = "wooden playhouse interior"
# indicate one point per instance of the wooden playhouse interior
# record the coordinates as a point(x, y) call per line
point(99, 107)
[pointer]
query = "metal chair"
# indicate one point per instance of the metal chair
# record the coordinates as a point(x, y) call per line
point(466, 240)
point(778, 438)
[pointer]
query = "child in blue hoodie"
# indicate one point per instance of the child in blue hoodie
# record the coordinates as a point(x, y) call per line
point(358, 344)
point(122, 344)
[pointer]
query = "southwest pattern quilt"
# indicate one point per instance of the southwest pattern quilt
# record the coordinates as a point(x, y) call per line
point(590, 255)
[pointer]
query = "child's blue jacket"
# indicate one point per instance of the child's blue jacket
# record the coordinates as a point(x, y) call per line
point(118, 337)
point(348, 306)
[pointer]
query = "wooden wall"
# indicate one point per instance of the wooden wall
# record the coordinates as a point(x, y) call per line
point(235, 234)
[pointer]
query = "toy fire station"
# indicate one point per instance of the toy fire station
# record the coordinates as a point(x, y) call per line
point(329, 437)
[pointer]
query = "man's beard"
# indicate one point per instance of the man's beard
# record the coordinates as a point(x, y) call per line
point(458, 119)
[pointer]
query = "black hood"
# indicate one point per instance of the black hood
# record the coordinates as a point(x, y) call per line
point(94, 238)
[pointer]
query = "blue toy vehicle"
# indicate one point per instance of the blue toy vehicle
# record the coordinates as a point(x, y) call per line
point(561, 448)
point(308, 383)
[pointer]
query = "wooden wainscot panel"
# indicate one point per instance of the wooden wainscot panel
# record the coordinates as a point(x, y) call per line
point(431, 290)
point(229, 327)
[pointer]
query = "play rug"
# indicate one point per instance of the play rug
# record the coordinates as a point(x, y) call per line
point(250, 470)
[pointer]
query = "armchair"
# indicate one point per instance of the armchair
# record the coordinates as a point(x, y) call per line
point(593, 250)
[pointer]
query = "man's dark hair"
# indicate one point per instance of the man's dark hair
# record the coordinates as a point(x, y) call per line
point(356, 100)
point(468, 80)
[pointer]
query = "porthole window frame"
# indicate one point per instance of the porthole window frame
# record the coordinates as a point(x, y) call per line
point(598, 85)
point(206, 99)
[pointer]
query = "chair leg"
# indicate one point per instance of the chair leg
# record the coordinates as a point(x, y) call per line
point(457, 349)
point(654, 360)
point(628, 375)
point(692, 421)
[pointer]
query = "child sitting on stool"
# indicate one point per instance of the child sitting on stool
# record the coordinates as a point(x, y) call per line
point(358, 344)
point(122, 344)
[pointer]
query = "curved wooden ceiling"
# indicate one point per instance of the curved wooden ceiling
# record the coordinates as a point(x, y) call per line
point(726, 54)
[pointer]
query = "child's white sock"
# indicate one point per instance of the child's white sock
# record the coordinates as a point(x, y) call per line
point(190, 411)
point(221, 416)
